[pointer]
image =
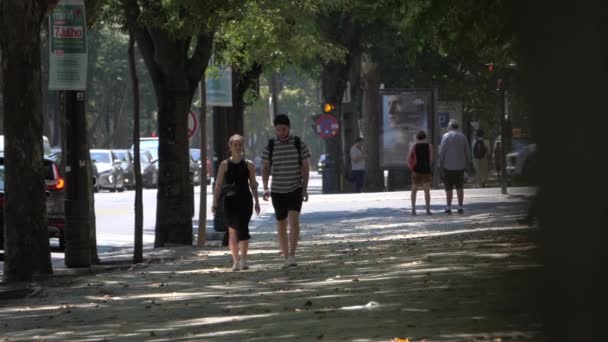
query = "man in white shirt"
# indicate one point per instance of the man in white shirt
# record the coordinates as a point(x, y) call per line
point(357, 162)
point(454, 159)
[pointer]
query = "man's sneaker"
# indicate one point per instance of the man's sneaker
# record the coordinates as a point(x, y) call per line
point(448, 211)
point(243, 264)
point(460, 211)
point(428, 212)
point(235, 267)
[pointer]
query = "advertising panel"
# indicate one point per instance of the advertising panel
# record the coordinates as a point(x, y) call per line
point(68, 46)
point(404, 113)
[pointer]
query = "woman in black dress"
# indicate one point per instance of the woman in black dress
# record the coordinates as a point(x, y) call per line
point(422, 177)
point(236, 176)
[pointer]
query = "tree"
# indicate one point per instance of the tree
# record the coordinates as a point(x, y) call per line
point(266, 36)
point(175, 39)
point(27, 251)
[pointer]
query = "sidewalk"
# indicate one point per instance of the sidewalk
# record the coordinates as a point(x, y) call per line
point(368, 271)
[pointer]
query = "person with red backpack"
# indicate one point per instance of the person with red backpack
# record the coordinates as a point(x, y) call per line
point(481, 158)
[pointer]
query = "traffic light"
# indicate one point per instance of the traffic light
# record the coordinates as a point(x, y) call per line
point(328, 107)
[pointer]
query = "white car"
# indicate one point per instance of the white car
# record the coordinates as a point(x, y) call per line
point(520, 162)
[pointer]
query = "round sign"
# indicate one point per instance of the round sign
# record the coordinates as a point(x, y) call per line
point(192, 124)
point(327, 126)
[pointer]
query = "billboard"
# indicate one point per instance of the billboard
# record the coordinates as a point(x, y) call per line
point(404, 113)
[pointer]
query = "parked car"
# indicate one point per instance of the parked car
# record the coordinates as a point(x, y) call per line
point(149, 169)
point(322, 164)
point(55, 197)
point(195, 154)
point(46, 145)
point(56, 157)
point(521, 162)
point(111, 174)
point(126, 159)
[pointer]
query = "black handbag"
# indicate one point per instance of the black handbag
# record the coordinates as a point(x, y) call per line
point(229, 190)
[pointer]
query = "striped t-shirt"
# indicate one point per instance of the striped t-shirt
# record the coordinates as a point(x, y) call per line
point(285, 169)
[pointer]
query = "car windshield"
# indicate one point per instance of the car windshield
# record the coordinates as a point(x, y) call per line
point(517, 144)
point(144, 157)
point(2, 178)
point(101, 157)
point(196, 154)
point(122, 155)
point(154, 153)
point(148, 144)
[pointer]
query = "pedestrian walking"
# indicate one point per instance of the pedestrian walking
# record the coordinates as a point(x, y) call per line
point(454, 159)
point(357, 164)
point(287, 158)
point(420, 161)
point(237, 188)
point(480, 152)
point(497, 154)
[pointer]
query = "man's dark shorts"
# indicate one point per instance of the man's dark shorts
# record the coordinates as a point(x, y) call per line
point(453, 179)
point(284, 203)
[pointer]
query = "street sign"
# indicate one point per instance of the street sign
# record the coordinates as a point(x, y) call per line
point(192, 124)
point(327, 126)
point(219, 88)
point(68, 46)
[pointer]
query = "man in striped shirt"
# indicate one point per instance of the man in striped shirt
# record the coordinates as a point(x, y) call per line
point(288, 159)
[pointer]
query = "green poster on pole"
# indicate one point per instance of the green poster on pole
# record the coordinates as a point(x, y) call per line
point(219, 88)
point(68, 45)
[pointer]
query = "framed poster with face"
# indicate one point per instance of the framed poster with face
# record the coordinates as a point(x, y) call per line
point(404, 113)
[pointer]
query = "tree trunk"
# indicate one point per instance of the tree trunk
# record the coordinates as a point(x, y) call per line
point(27, 251)
point(175, 189)
point(372, 124)
point(175, 77)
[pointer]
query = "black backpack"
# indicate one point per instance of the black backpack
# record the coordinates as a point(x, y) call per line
point(479, 149)
point(296, 141)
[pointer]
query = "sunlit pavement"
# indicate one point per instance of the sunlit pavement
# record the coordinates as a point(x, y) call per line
point(368, 271)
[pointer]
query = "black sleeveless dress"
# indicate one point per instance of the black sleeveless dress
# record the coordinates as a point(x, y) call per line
point(239, 208)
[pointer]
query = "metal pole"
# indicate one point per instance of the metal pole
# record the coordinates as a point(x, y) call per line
point(202, 209)
point(275, 93)
point(503, 138)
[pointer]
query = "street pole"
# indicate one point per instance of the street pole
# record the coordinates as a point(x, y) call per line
point(503, 137)
point(202, 209)
point(275, 93)
point(77, 211)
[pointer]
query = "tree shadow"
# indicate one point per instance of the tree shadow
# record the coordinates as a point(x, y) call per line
point(369, 276)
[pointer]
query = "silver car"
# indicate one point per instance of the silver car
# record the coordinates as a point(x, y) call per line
point(109, 166)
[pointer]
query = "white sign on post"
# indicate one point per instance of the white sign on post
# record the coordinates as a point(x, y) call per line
point(68, 46)
point(219, 88)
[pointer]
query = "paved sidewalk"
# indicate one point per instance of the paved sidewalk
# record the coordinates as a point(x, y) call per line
point(368, 271)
